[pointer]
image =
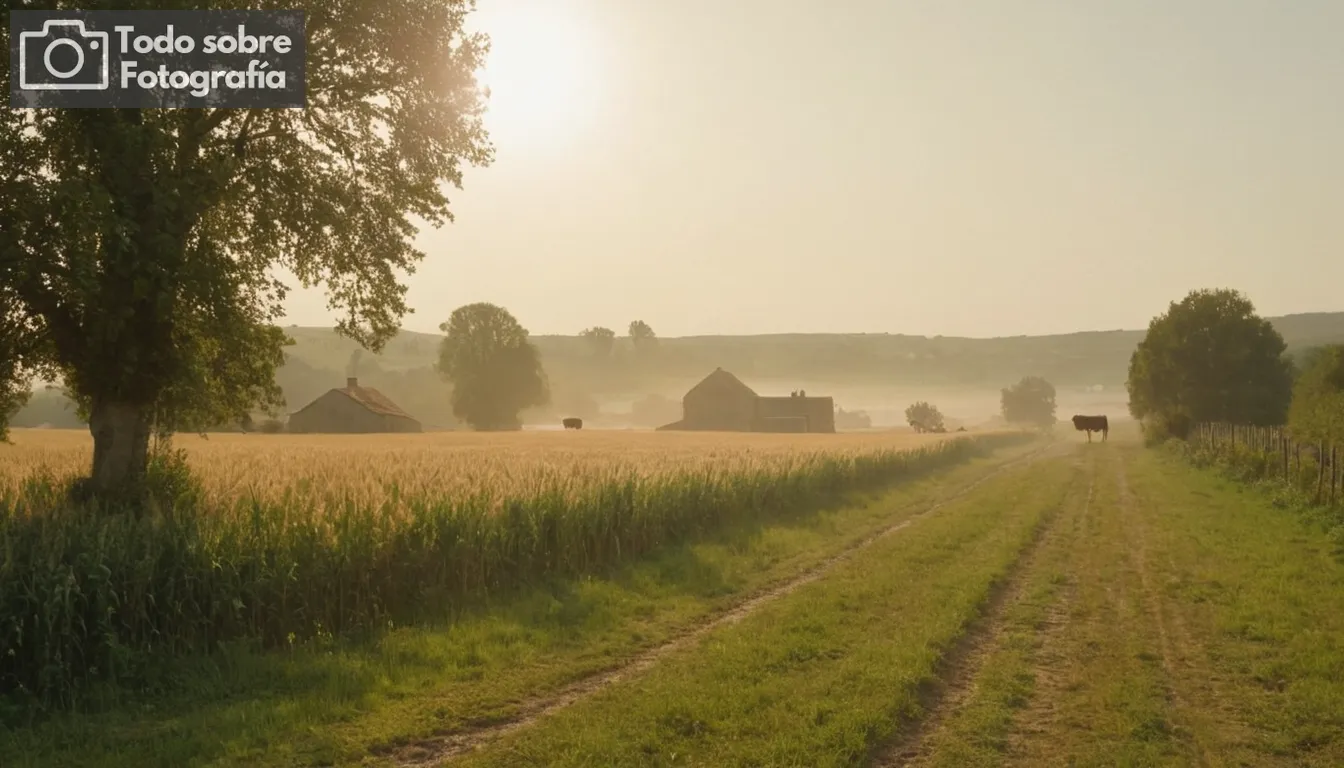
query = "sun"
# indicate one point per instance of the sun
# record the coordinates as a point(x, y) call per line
point(543, 73)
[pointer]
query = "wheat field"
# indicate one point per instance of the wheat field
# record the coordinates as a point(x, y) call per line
point(280, 538)
point(365, 467)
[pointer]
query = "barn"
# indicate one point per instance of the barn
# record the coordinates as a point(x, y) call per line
point(352, 409)
point(721, 402)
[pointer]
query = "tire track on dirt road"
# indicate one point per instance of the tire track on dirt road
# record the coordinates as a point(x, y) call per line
point(447, 745)
point(962, 664)
point(1049, 684)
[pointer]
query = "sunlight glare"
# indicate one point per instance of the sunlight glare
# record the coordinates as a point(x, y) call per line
point(543, 76)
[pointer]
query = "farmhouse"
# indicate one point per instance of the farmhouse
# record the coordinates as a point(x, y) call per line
point(352, 409)
point(723, 403)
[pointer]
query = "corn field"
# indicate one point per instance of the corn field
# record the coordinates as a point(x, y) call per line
point(1271, 453)
point(305, 537)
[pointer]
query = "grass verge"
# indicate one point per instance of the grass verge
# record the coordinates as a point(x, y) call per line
point(1188, 622)
point(1257, 597)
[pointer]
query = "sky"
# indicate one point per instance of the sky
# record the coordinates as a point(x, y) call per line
point(904, 166)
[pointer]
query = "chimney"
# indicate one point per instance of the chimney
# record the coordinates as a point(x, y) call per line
point(352, 383)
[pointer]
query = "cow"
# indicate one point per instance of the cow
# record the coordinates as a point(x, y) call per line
point(573, 423)
point(1092, 424)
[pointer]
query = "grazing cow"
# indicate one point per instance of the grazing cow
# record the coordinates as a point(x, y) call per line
point(1092, 424)
point(573, 423)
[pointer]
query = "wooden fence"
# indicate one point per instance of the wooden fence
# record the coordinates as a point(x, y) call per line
point(1313, 467)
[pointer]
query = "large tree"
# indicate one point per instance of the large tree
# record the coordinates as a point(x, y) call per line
point(1029, 401)
point(1209, 357)
point(141, 245)
point(494, 368)
point(924, 417)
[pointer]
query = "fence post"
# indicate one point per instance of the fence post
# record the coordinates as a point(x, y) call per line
point(1320, 470)
point(1334, 473)
point(1283, 444)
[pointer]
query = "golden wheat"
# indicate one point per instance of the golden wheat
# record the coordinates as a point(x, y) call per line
point(273, 538)
point(365, 467)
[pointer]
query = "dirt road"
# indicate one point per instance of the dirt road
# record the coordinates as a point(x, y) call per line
point(1095, 605)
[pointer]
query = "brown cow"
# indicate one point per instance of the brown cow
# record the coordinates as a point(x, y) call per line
point(1092, 424)
point(573, 423)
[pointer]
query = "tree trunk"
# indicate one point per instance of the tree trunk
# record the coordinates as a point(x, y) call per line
point(120, 445)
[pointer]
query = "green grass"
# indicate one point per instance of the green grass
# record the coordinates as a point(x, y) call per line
point(1073, 675)
point(333, 701)
point(1260, 593)
point(1200, 625)
point(821, 676)
point(977, 732)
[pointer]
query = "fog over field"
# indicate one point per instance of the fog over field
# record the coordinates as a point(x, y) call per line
point(879, 374)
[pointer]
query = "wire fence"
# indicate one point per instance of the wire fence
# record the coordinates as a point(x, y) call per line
point(1272, 453)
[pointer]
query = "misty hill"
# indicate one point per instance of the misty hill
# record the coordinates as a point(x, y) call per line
point(1076, 359)
point(647, 384)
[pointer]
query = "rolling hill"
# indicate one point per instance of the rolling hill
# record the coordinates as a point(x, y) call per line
point(583, 382)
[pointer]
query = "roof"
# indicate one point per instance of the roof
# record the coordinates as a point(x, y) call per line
point(723, 382)
point(373, 400)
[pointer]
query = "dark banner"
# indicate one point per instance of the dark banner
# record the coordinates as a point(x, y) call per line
point(156, 59)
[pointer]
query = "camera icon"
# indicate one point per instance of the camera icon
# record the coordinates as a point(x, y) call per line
point(45, 58)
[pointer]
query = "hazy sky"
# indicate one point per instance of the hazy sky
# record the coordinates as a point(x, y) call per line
point(927, 167)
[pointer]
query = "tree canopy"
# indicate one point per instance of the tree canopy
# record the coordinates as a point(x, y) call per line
point(641, 335)
point(1030, 401)
point(602, 340)
point(1209, 358)
point(138, 247)
point(1317, 410)
point(924, 417)
point(494, 368)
